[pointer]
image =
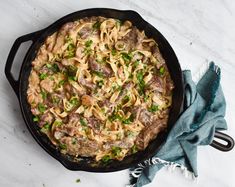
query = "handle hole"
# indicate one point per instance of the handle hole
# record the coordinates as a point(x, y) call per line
point(15, 70)
point(223, 142)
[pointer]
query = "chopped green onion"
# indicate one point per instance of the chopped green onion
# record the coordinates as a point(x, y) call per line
point(153, 108)
point(55, 99)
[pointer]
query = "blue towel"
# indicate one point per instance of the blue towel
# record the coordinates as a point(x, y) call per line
point(204, 110)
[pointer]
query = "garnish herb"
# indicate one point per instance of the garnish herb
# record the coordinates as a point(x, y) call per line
point(134, 149)
point(116, 151)
point(88, 43)
point(98, 73)
point(128, 120)
point(83, 122)
point(78, 181)
point(126, 57)
point(162, 70)
point(41, 107)
point(100, 83)
point(35, 118)
point(63, 146)
point(42, 76)
point(96, 25)
point(153, 108)
point(45, 128)
point(44, 95)
point(114, 52)
point(141, 83)
point(74, 101)
point(106, 158)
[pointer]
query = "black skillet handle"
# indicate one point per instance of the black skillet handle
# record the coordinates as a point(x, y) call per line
point(28, 37)
point(220, 146)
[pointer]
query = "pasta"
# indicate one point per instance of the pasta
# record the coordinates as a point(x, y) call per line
point(100, 88)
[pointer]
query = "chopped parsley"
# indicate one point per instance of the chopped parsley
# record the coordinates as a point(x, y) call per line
point(134, 149)
point(116, 151)
point(71, 50)
point(35, 118)
point(44, 95)
point(106, 158)
point(100, 83)
point(68, 39)
point(63, 146)
point(78, 181)
point(126, 99)
point(136, 63)
point(162, 70)
point(126, 57)
point(88, 43)
point(41, 107)
point(57, 123)
point(128, 120)
point(46, 127)
point(98, 73)
point(83, 122)
point(153, 108)
point(114, 52)
point(114, 117)
point(118, 23)
point(74, 101)
point(42, 76)
point(141, 83)
point(72, 70)
point(96, 25)
point(61, 83)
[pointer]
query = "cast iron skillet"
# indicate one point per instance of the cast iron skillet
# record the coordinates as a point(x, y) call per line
point(88, 164)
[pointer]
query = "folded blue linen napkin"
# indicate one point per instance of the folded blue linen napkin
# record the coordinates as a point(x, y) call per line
point(203, 113)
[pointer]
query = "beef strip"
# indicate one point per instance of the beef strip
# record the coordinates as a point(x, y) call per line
point(103, 68)
point(150, 132)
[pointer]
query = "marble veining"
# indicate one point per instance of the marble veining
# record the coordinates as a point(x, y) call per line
point(199, 31)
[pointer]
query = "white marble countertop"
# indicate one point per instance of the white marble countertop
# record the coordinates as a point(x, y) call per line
point(199, 31)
